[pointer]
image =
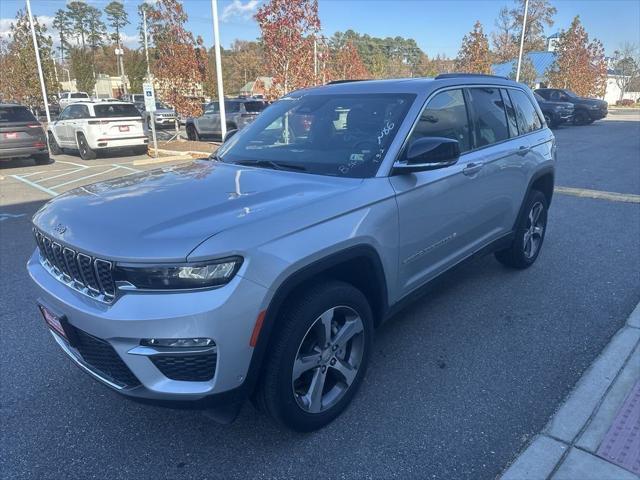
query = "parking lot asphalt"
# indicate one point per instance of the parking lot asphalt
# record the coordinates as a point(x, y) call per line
point(459, 381)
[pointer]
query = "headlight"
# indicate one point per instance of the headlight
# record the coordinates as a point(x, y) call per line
point(594, 107)
point(184, 276)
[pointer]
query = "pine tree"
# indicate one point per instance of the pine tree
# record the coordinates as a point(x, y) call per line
point(528, 74)
point(62, 23)
point(20, 80)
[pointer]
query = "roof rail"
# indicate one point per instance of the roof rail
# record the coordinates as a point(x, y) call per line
point(442, 76)
point(335, 82)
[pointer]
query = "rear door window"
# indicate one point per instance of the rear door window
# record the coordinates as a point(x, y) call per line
point(511, 113)
point(488, 116)
point(15, 114)
point(112, 110)
point(526, 114)
point(445, 116)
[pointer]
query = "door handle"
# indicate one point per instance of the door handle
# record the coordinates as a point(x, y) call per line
point(472, 169)
point(523, 150)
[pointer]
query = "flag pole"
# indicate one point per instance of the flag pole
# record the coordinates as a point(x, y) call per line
point(37, 50)
point(216, 40)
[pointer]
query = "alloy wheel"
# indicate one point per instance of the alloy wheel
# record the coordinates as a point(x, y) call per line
point(327, 360)
point(535, 229)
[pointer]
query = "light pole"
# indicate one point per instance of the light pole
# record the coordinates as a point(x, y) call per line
point(524, 27)
point(216, 40)
point(150, 80)
point(37, 51)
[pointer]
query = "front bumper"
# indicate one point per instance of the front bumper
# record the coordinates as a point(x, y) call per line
point(598, 114)
point(227, 315)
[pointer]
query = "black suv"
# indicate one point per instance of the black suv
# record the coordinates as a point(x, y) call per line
point(587, 110)
point(555, 113)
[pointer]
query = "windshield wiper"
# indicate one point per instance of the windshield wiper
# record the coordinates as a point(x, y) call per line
point(271, 164)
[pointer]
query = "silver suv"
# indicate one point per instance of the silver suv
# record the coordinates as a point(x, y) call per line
point(265, 271)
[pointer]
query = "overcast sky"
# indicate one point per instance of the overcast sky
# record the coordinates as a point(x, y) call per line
point(437, 25)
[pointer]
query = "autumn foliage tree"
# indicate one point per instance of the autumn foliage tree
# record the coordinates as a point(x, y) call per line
point(528, 74)
point(288, 29)
point(180, 60)
point(580, 64)
point(474, 55)
point(346, 64)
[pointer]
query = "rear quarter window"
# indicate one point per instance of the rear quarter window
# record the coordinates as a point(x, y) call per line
point(116, 110)
point(16, 114)
point(526, 114)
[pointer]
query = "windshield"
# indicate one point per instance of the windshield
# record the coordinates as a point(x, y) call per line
point(116, 110)
point(79, 95)
point(340, 135)
point(162, 106)
point(254, 107)
point(569, 93)
point(538, 97)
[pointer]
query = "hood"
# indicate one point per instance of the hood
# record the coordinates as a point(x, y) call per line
point(163, 214)
point(551, 103)
point(165, 110)
point(589, 101)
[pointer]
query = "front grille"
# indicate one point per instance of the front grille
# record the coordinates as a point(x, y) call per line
point(101, 356)
point(188, 368)
point(90, 275)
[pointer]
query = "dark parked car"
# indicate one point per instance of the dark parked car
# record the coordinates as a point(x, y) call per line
point(555, 113)
point(21, 135)
point(586, 110)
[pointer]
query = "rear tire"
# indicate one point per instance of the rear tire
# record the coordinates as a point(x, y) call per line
point(529, 234)
point(192, 133)
point(42, 159)
point(86, 152)
point(318, 357)
point(581, 118)
point(53, 145)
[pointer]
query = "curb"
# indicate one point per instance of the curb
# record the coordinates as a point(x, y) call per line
point(169, 158)
point(567, 447)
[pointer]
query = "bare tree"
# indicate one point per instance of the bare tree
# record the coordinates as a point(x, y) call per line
point(626, 65)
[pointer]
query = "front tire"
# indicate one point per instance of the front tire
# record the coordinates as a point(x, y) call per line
point(86, 152)
point(529, 234)
point(581, 118)
point(192, 133)
point(53, 145)
point(318, 358)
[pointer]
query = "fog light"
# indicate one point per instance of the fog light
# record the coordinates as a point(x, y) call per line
point(177, 342)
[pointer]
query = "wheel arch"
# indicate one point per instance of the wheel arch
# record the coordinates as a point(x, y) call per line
point(359, 265)
point(543, 180)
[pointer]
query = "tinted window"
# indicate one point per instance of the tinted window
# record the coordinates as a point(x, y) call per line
point(254, 107)
point(538, 97)
point(79, 95)
point(232, 107)
point(16, 114)
point(488, 116)
point(340, 135)
point(64, 114)
point(445, 116)
point(116, 110)
point(78, 111)
point(511, 113)
point(526, 115)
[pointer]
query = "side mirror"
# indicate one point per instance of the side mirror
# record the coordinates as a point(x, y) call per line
point(230, 134)
point(429, 153)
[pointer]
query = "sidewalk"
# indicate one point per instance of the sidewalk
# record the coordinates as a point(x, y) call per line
point(595, 435)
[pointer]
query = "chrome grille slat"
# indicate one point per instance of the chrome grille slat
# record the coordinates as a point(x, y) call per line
point(84, 273)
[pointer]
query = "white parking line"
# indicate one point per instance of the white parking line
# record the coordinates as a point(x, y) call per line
point(59, 175)
point(85, 177)
point(76, 164)
point(126, 168)
point(35, 185)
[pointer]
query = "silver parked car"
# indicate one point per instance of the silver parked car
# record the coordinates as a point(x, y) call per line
point(165, 116)
point(239, 113)
point(264, 272)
